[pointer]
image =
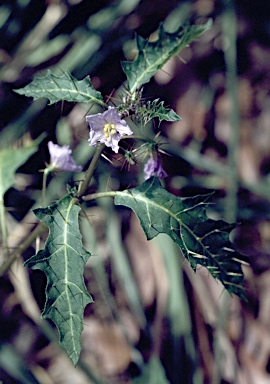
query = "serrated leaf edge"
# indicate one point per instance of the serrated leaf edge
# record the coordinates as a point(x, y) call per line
point(162, 58)
point(74, 355)
point(181, 223)
point(88, 98)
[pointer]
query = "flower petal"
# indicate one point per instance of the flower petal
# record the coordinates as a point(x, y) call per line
point(96, 122)
point(112, 116)
point(123, 129)
point(94, 137)
point(153, 167)
point(114, 144)
point(61, 159)
point(107, 128)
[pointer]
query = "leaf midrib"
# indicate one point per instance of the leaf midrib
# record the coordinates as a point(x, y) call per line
point(181, 223)
point(162, 59)
point(84, 94)
point(66, 221)
point(176, 41)
point(151, 67)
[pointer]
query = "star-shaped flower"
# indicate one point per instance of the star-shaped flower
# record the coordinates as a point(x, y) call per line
point(153, 167)
point(107, 128)
point(61, 159)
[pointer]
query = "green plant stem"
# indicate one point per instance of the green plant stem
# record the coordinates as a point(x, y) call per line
point(44, 182)
point(22, 247)
point(89, 173)
point(100, 102)
point(99, 195)
point(3, 228)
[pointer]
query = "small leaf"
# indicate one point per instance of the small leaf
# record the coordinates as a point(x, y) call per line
point(202, 240)
point(58, 88)
point(63, 260)
point(154, 108)
point(153, 55)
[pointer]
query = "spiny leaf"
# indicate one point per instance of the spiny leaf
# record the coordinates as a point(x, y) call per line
point(58, 88)
point(153, 55)
point(202, 240)
point(63, 260)
point(154, 108)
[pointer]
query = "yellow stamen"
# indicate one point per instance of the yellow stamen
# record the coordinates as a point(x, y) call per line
point(109, 129)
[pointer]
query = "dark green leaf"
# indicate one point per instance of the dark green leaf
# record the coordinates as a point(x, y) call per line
point(202, 240)
point(153, 55)
point(63, 260)
point(58, 88)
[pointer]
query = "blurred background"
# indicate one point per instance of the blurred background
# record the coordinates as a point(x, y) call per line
point(153, 320)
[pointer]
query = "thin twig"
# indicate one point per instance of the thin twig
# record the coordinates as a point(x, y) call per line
point(22, 247)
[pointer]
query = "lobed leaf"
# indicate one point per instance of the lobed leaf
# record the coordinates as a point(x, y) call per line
point(153, 55)
point(154, 108)
point(63, 260)
point(58, 88)
point(202, 240)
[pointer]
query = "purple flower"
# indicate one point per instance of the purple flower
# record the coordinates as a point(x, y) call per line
point(61, 159)
point(107, 128)
point(153, 167)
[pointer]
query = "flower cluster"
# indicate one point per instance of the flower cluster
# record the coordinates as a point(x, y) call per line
point(153, 167)
point(61, 159)
point(107, 128)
